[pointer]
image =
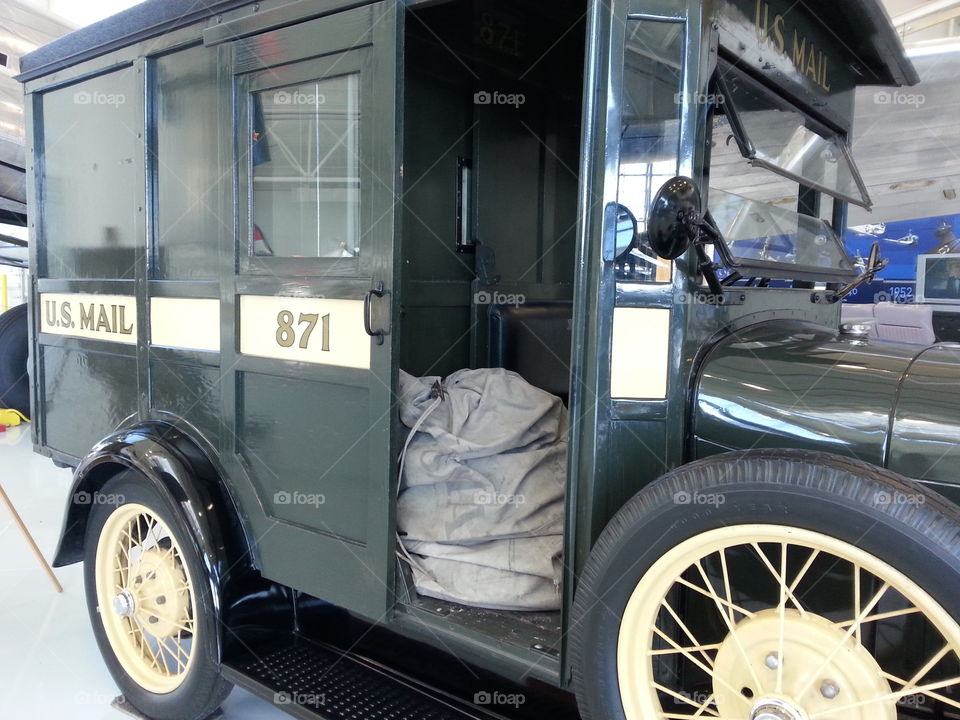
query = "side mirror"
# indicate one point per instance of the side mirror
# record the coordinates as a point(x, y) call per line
point(673, 224)
point(626, 233)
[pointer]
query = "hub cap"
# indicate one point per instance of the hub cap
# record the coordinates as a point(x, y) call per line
point(124, 604)
point(773, 709)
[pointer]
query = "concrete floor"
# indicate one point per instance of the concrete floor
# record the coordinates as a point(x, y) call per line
point(50, 666)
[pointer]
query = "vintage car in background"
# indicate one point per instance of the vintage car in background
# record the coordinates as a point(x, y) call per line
point(251, 216)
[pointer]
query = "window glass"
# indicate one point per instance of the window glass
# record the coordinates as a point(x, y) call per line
point(305, 179)
point(774, 134)
point(650, 134)
point(92, 178)
point(187, 166)
point(757, 231)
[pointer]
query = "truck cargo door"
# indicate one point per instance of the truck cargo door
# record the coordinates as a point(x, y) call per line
point(312, 348)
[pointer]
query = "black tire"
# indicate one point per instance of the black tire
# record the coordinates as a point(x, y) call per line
point(203, 689)
point(844, 499)
point(14, 345)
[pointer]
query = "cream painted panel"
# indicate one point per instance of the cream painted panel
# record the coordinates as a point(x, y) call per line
point(314, 330)
point(641, 353)
point(188, 323)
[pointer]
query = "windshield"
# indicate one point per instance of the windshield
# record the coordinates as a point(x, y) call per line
point(772, 133)
point(760, 237)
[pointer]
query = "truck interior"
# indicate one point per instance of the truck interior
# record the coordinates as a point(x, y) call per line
point(492, 121)
point(488, 218)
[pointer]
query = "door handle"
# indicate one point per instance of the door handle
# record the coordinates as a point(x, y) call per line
point(379, 292)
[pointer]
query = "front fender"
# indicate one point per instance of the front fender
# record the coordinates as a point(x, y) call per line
point(794, 384)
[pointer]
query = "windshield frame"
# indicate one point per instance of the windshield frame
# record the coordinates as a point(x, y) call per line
point(749, 151)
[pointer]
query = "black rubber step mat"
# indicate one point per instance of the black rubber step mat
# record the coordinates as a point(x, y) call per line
point(310, 680)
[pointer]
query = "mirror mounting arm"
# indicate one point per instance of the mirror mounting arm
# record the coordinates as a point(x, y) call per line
point(874, 265)
point(708, 268)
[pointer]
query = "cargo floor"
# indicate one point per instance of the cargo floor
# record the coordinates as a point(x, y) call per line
point(538, 630)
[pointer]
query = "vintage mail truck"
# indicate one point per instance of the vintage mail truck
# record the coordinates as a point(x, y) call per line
point(248, 217)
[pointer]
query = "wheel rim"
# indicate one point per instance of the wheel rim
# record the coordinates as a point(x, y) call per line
point(146, 599)
point(765, 646)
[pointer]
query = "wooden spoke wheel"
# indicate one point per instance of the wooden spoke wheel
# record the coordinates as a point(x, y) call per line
point(772, 585)
point(786, 661)
point(145, 594)
point(151, 602)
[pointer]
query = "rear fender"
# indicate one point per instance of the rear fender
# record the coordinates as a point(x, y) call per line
point(170, 462)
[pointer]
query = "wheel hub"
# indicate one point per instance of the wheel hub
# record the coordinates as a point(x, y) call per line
point(159, 590)
point(774, 709)
point(796, 666)
point(124, 603)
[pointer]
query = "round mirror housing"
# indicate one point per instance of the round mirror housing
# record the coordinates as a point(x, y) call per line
point(674, 221)
point(626, 231)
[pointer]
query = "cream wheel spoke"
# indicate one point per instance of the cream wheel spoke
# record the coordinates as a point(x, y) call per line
point(782, 612)
point(930, 693)
point(686, 631)
point(814, 554)
point(881, 616)
point(145, 648)
point(181, 627)
point(709, 671)
point(815, 676)
point(726, 582)
point(856, 604)
point(730, 626)
point(178, 653)
point(705, 707)
point(732, 606)
point(696, 648)
point(776, 576)
point(686, 700)
point(894, 697)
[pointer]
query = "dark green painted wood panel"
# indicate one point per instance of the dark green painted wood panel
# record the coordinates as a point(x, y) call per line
point(307, 461)
point(187, 392)
point(634, 457)
point(86, 395)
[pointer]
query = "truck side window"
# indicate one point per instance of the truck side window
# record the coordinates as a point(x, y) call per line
point(305, 169)
point(650, 134)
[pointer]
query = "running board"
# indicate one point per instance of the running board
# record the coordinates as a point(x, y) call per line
point(310, 680)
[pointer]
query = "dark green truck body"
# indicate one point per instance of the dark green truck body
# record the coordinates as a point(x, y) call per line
point(148, 302)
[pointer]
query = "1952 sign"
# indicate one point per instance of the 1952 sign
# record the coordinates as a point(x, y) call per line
point(99, 317)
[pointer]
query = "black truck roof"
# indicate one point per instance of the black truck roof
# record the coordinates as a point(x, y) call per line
point(862, 26)
point(140, 22)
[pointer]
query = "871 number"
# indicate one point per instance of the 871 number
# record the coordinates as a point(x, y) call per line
point(287, 333)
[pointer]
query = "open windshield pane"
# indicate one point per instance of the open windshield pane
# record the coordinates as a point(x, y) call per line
point(757, 233)
point(774, 134)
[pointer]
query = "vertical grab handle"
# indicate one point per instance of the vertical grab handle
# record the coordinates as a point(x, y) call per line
point(367, 301)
